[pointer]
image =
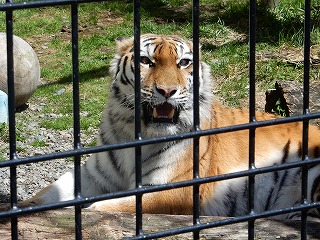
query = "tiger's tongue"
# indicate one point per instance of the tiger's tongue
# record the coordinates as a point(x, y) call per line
point(164, 110)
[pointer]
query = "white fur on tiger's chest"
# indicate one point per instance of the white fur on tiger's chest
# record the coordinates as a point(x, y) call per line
point(156, 168)
point(159, 165)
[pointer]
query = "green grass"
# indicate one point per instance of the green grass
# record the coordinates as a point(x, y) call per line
point(39, 143)
point(4, 132)
point(224, 40)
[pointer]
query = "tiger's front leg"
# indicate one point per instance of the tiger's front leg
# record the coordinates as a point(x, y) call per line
point(175, 201)
point(63, 189)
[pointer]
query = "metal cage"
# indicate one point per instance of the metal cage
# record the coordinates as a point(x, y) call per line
point(14, 213)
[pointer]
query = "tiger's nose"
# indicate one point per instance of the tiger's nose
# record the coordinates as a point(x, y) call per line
point(166, 91)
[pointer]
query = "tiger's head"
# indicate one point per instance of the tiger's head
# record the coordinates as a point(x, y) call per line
point(166, 69)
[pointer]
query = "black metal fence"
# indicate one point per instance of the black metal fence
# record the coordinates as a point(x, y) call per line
point(15, 212)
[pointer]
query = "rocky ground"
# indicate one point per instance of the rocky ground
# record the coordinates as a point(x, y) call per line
point(35, 176)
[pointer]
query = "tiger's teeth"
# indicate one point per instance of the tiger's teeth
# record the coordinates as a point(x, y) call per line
point(163, 113)
point(170, 115)
point(155, 114)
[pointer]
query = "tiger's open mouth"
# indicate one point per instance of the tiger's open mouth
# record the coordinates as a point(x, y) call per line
point(163, 113)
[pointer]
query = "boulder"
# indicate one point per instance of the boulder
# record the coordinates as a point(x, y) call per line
point(26, 69)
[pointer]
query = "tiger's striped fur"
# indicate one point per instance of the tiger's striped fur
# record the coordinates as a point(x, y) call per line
point(167, 103)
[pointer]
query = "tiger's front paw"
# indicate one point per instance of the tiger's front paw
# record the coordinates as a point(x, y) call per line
point(126, 204)
point(97, 206)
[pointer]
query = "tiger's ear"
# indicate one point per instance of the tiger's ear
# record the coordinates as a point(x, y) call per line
point(124, 44)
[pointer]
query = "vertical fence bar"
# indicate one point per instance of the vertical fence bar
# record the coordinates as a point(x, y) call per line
point(76, 117)
point(138, 157)
point(12, 120)
point(196, 198)
point(306, 82)
point(252, 54)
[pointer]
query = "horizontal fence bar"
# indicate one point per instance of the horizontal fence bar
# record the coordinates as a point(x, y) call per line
point(181, 230)
point(163, 187)
point(177, 137)
point(228, 221)
point(37, 4)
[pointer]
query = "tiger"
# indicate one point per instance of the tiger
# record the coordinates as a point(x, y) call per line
point(166, 72)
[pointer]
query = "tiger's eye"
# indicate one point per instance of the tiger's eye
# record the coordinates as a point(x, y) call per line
point(184, 62)
point(146, 60)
